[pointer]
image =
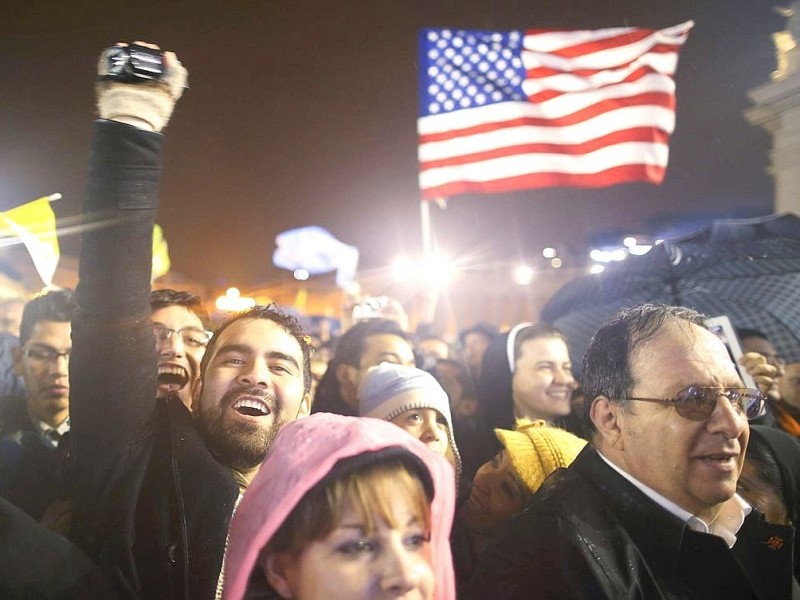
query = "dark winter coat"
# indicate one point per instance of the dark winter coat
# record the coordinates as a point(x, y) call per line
point(153, 505)
point(590, 534)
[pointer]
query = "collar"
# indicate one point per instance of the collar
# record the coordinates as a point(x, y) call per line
point(41, 427)
point(726, 523)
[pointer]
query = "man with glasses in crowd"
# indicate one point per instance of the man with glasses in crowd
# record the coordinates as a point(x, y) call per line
point(649, 509)
point(180, 327)
point(31, 427)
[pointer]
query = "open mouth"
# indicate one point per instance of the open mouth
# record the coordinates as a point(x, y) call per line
point(172, 375)
point(251, 407)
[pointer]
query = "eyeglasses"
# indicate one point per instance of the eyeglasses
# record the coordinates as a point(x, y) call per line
point(190, 336)
point(44, 353)
point(697, 403)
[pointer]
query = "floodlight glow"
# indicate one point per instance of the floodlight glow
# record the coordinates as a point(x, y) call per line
point(556, 263)
point(301, 274)
point(640, 249)
point(595, 269)
point(549, 252)
point(436, 269)
point(629, 242)
point(402, 269)
point(598, 255)
point(233, 301)
point(523, 275)
point(618, 254)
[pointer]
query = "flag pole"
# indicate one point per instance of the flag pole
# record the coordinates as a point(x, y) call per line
point(425, 224)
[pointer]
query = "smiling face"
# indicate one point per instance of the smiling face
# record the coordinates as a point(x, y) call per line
point(692, 463)
point(179, 355)
point(542, 383)
point(497, 494)
point(45, 373)
point(252, 385)
point(356, 562)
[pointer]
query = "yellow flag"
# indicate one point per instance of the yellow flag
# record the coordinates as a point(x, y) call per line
point(161, 262)
point(35, 224)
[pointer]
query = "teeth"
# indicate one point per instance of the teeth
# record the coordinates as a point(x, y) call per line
point(171, 370)
point(253, 404)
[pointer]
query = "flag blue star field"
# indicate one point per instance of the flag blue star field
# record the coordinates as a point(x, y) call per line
point(502, 111)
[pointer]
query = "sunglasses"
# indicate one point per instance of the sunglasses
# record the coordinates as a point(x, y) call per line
point(697, 403)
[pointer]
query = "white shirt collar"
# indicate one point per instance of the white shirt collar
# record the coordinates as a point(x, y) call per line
point(41, 426)
point(725, 525)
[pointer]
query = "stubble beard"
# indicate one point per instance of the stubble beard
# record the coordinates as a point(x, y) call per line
point(237, 444)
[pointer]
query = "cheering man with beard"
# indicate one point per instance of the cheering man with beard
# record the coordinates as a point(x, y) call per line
point(156, 484)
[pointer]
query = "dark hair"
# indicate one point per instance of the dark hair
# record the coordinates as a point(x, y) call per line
point(606, 364)
point(192, 302)
point(270, 313)
point(484, 329)
point(348, 350)
point(52, 305)
point(766, 464)
point(751, 333)
point(535, 332)
point(350, 347)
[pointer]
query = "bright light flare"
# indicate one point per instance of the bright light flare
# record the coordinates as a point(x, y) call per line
point(549, 252)
point(436, 269)
point(301, 274)
point(403, 269)
point(233, 301)
point(523, 275)
point(640, 249)
point(596, 269)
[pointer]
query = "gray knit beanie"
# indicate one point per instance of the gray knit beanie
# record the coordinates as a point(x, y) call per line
point(384, 394)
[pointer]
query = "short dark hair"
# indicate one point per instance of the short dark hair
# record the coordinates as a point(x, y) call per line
point(606, 364)
point(51, 305)
point(535, 332)
point(270, 313)
point(192, 302)
point(744, 332)
point(484, 329)
point(350, 347)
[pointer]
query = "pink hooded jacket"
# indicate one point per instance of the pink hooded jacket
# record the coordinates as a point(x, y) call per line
point(303, 453)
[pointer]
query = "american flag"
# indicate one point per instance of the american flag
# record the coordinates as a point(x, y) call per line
point(503, 111)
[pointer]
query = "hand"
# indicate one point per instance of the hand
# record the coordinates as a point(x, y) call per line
point(763, 373)
point(146, 105)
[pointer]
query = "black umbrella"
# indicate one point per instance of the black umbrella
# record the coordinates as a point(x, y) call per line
point(748, 270)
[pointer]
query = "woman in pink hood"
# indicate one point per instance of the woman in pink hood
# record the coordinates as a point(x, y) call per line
point(344, 507)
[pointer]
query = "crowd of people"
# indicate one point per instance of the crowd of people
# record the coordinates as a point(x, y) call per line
point(144, 456)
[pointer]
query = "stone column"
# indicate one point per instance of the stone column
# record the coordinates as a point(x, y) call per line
point(777, 109)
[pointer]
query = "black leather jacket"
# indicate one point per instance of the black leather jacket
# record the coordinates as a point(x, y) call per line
point(591, 534)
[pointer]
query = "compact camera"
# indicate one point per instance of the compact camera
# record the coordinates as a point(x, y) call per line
point(133, 64)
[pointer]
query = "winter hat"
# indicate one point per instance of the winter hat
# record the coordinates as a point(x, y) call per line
point(537, 449)
point(388, 390)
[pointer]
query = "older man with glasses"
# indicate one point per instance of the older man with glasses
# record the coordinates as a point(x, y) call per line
point(649, 509)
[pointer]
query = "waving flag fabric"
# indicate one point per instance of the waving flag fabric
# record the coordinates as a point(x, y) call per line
point(35, 224)
point(316, 250)
point(502, 111)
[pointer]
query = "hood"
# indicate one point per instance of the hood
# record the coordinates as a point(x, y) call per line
point(303, 453)
point(497, 372)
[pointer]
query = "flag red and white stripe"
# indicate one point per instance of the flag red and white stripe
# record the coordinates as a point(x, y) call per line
point(516, 110)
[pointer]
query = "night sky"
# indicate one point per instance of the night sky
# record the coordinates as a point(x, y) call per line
point(304, 113)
